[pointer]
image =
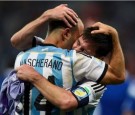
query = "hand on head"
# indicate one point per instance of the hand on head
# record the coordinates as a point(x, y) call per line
point(62, 12)
point(102, 28)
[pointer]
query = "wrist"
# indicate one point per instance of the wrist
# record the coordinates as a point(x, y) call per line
point(45, 16)
point(42, 19)
point(36, 78)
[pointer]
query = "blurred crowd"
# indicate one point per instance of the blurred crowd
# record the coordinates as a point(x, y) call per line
point(118, 99)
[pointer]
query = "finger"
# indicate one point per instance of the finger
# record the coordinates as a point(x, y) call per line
point(73, 16)
point(67, 23)
point(95, 24)
point(73, 12)
point(100, 31)
point(96, 31)
point(70, 19)
point(98, 24)
point(65, 5)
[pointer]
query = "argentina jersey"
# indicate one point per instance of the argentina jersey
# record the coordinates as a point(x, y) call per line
point(55, 64)
point(61, 67)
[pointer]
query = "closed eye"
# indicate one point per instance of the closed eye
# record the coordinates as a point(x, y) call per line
point(78, 42)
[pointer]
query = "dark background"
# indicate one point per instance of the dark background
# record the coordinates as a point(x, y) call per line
point(121, 15)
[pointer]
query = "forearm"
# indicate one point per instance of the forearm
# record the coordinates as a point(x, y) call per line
point(23, 38)
point(59, 97)
point(116, 69)
point(117, 60)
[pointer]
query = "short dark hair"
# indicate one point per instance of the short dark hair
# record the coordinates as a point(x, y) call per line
point(54, 24)
point(103, 42)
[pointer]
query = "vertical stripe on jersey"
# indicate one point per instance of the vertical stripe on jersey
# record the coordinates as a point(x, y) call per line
point(43, 71)
point(66, 72)
point(38, 68)
point(35, 93)
point(57, 73)
point(18, 60)
point(25, 56)
point(72, 55)
point(47, 71)
point(50, 71)
point(34, 90)
point(30, 106)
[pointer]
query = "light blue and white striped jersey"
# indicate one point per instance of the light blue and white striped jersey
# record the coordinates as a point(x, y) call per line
point(65, 67)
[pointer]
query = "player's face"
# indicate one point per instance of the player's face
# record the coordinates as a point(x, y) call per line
point(84, 45)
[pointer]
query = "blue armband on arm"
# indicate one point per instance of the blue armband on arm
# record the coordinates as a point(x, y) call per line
point(81, 94)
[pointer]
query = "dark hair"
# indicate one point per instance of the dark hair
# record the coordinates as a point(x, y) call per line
point(53, 24)
point(102, 42)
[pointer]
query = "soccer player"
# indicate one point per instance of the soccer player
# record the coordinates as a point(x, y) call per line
point(96, 43)
point(65, 37)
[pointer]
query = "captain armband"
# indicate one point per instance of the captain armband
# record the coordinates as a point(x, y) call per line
point(81, 94)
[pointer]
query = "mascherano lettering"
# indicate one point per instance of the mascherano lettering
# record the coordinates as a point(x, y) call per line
point(43, 63)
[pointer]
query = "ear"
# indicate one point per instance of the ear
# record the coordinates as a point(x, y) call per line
point(66, 34)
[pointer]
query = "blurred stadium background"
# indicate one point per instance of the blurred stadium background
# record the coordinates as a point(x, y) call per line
point(121, 15)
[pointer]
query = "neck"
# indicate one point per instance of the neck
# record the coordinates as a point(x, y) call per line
point(53, 38)
point(56, 39)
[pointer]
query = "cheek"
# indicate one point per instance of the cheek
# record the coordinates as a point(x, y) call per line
point(88, 49)
point(77, 47)
point(74, 45)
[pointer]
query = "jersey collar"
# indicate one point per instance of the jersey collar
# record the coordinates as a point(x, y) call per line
point(48, 45)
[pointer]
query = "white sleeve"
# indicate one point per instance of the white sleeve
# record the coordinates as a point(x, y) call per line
point(88, 93)
point(88, 67)
point(95, 92)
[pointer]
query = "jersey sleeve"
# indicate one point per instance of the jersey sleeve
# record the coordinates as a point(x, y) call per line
point(88, 93)
point(89, 67)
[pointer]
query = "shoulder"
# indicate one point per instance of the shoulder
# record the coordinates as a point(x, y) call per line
point(83, 54)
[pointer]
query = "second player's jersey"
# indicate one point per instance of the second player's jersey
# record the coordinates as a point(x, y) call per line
point(64, 67)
